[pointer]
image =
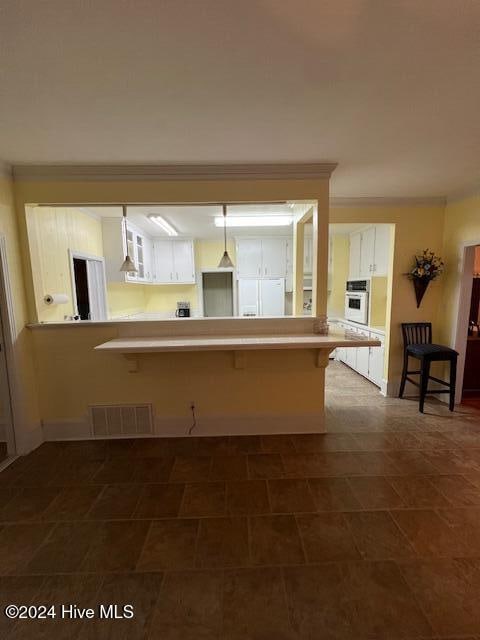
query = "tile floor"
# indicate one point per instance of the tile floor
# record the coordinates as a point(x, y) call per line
point(371, 531)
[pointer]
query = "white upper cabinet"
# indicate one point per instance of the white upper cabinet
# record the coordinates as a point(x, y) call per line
point(261, 257)
point(382, 250)
point(139, 248)
point(183, 260)
point(274, 257)
point(369, 252)
point(174, 261)
point(355, 243)
point(249, 257)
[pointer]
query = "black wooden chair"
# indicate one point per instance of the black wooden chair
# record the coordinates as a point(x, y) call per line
point(417, 343)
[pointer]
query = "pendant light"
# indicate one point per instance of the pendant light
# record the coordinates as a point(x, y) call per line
point(128, 264)
point(225, 262)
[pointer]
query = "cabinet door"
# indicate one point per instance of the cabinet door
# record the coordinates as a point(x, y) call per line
point(163, 257)
point(382, 250)
point(148, 258)
point(248, 298)
point(376, 361)
point(351, 357)
point(362, 360)
point(274, 257)
point(367, 252)
point(272, 297)
point(249, 257)
point(140, 256)
point(355, 242)
point(183, 262)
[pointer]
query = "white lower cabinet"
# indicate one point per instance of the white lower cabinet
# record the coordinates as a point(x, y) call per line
point(367, 361)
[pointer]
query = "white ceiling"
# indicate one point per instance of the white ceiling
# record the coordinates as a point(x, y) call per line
point(197, 221)
point(390, 90)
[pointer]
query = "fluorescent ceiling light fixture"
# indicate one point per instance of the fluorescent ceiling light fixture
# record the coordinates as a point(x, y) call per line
point(255, 221)
point(164, 225)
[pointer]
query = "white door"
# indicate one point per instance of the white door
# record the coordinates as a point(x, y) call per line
point(148, 256)
point(184, 269)
point(163, 260)
point(272, 297)
point(376, 362)
point(249, 258)
point(355, 242)
point(382, 250)
point(248, 297)
point(351, 357)
point(367, 252)
point(97, 290)
point(274, 257)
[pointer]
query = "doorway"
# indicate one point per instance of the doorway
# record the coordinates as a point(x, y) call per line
point(467, 341)
point(89, 287)
point(217, 289)
point(7, 433)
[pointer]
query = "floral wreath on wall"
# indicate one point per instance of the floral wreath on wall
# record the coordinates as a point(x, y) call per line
point(427, 267)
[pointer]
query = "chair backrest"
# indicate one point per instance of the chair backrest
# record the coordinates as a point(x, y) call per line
point(416, 333)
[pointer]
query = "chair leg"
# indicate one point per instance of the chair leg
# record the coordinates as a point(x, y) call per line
point(424, 376)
point(453, 382)
point(404, 375)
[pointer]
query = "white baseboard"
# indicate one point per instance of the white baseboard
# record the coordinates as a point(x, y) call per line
point(27, 441)
point(80, 429)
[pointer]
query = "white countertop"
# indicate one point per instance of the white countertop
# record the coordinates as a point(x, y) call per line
point(357, 325)
point(234, 343)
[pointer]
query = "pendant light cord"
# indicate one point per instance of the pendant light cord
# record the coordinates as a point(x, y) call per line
point(124, 209)
point(225, 226)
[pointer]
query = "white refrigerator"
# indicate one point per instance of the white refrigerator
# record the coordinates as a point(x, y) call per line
point(261, 297)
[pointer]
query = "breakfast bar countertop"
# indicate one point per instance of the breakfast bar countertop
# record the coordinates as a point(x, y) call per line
point(235, 343)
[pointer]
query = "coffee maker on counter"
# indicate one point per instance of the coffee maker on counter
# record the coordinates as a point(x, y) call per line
point(183, 310)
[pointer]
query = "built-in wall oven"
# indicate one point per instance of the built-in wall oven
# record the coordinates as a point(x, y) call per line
point(356, 301)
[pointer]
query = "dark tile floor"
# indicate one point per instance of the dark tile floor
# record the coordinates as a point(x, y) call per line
point(371, 531)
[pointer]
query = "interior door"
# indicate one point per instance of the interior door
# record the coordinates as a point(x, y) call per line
point(218, 294)
point(163, 259)
point(183, 266)
point(249, 258)
point(97, 290)
point(272, 297)
point(6, 422)
point(274, 257)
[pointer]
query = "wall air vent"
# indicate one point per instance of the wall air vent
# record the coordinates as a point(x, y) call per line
point(121, 420)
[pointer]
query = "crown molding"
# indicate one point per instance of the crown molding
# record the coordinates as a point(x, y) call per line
point(464, 194)
point(301, 171)
point(386, 201)
point(5, 170)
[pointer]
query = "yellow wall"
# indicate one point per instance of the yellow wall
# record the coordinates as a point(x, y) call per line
point(339, 260)
point(53, 231)
point(462, 227)
point(417, 226)
point(378, 301)
point(23, 377)
point(126, 299)
point(71, 375)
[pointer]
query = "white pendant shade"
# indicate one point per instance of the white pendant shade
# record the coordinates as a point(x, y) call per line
point(128, 265)
point(225, 262)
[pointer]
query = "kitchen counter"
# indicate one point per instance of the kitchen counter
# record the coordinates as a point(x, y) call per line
point(234, 343)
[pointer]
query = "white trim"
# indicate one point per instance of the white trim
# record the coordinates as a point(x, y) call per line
point(6, 170)
point(464, 194)
point(89, 258)
point(200, 288)
point(460, 330)
point(7, 325)
point(284, 171)
point(387, 201)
